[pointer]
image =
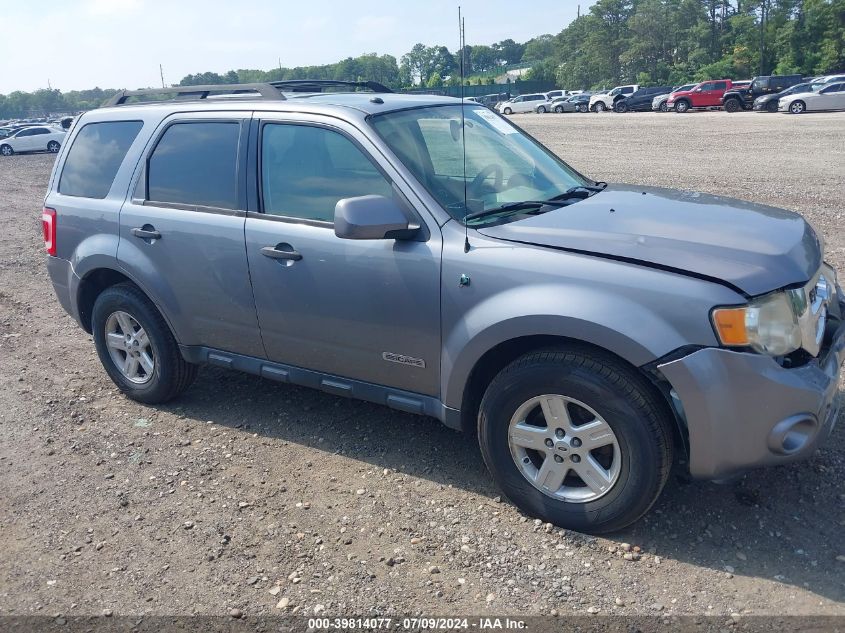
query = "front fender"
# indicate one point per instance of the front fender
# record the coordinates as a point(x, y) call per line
point(567, 311)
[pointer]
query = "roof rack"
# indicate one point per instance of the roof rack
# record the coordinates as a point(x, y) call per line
point(317, 85)
point(270, 90)
point(264, 90)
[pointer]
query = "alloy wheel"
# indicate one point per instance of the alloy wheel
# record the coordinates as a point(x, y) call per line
point(564, 448)
point(129, 347)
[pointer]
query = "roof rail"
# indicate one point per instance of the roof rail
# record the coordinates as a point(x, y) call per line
point(264, 90)
point(317, 85)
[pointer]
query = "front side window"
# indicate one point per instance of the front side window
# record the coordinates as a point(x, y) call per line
point(306, 170)
point(503, 165)
point(195, 163)
point(95, 156)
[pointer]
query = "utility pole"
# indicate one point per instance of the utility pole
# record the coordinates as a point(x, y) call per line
point(763, 18)
point(161, 72)
point(280, 63)
point(579, 11)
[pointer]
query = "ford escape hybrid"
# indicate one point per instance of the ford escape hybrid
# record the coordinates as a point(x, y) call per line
point(330, 236)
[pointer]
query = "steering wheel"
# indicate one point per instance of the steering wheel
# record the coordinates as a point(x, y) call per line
point(491, 169)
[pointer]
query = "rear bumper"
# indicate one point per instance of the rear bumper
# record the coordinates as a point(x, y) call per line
point(743, 410)
point(65, 284)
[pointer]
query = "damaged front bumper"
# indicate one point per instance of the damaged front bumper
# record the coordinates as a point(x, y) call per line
point(744, 410)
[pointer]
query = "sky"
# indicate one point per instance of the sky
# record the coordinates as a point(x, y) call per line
point(78, 44)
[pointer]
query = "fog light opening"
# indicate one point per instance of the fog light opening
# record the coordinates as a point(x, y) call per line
point(792, 435)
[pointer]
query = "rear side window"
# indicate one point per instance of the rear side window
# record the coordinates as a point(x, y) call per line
point(196, 164)
point(95, 156)
point(721, 85)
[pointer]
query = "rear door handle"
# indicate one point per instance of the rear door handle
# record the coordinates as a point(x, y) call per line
point(281, 251)
point(146, 233)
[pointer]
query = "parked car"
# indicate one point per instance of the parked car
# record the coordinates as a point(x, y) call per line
point(606, 100)
point(737, 99)
point(33, 139)
point(574, 103)
point(829, 78)
point(522, 103)
point(641, 100)
point(707, 94)
point(830, 96)
point(492, 100)
point(552, 101)
point(344, 256)
point(769, 103)
point(742, 83)
point(554, 94)
point(659, 102)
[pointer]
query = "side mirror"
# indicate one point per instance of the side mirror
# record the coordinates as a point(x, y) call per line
point(372, 218)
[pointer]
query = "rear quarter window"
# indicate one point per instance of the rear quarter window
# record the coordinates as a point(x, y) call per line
point(95, 156)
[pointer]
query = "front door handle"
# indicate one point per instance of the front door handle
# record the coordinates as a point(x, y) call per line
point(281, 251)
point(146, 232)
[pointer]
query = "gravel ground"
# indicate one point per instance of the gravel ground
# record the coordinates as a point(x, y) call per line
point(265, 499)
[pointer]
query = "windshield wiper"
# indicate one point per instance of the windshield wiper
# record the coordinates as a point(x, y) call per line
point(580, 191)
point(516, 206)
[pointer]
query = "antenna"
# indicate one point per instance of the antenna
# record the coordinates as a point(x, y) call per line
point(463, 46)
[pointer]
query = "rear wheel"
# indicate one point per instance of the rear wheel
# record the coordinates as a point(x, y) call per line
point(797, 107)
point(136, 347)
point(575, 438)
point(681, 106)
point(732, 105)
point(53, 147)
point(583, 108)
point(6, 150)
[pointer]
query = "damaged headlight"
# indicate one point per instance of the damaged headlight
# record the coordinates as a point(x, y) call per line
point(768, 325)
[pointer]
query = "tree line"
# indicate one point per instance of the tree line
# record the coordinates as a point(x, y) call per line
point(649, 42)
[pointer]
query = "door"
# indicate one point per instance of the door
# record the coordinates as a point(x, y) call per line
point(719, 89)
point(181, 232)
point(367, 310)
point(701, 96)
point(830, 98)
point(25, 140)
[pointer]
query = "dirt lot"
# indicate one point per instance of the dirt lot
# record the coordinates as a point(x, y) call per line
point(245, 493)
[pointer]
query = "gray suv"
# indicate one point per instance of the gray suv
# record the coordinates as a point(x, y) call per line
point(434, 258)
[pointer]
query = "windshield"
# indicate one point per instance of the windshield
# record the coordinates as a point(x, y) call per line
point(503, 165)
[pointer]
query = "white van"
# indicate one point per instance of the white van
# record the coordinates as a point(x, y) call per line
point(522, 103)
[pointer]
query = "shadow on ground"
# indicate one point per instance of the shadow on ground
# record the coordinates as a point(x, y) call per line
point(783, 524)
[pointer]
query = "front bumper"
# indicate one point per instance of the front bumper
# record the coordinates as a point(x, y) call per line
point(743, 410)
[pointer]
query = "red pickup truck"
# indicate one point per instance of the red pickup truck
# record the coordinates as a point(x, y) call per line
point(707, 94)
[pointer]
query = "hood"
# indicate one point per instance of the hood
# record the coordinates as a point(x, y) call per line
point(752, 248)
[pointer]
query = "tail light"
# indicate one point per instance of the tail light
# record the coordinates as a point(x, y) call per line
point(48, 224)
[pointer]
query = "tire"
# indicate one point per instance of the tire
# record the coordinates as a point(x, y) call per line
point(597, 385)
point(682, 106)
point(583, 108)
point(508, 111)
point(541, 110)
point(559, 109)
point(664, 107)
point(53, 147)
point(732, 105)
point(796, 107)
point(772, 106)
point(170, 374)
point(621, 108)
point(6, 150)
point(600, 107)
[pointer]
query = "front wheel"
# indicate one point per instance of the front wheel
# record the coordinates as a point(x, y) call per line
point(664, 107)
point(6, 150)
point(681, 107)
point(621, 108)
point(797, 107)
point(53, 147)
point(600, 107)
point(136, 347)
point(559, 109)
point(732, 105)
point(772, 106)
point(575, 438)
point(508, 111)
point(541, 109)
